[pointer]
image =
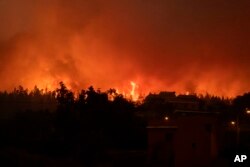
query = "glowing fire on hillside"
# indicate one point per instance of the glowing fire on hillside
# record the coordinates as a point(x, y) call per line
point(84, 43)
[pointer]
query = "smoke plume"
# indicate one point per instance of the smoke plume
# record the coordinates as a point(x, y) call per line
point(195, 46)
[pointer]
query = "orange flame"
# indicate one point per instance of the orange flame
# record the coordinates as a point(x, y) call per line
point(133, 94)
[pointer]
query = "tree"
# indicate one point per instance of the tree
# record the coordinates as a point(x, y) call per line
point(64, 96)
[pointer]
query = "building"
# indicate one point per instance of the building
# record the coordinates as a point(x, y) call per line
point(188, 138)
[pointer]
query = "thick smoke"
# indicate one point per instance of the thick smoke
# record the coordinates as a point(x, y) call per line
point(195, 46)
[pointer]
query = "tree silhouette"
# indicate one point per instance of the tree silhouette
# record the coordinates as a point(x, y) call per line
point(64, 97)
point(240, 103)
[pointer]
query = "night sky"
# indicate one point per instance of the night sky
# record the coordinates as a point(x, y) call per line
point(196, 45)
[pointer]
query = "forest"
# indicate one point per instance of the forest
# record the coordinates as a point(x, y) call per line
point(87, 125)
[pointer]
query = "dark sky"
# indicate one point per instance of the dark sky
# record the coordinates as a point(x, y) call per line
point(195, 45)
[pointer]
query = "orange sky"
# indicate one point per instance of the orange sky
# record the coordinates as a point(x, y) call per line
point(195, 46)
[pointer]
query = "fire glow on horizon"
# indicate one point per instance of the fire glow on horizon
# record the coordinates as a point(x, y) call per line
point(160, 46)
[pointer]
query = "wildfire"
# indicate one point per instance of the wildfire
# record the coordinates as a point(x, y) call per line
point(133, 94)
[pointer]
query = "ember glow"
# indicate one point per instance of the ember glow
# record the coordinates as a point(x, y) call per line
point(194, 46)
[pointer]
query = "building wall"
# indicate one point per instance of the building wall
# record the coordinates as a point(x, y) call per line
point(161, 147)
point(193, 143)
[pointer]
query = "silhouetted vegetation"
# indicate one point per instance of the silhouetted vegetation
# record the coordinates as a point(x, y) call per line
point(89, 124)
point(60, 123)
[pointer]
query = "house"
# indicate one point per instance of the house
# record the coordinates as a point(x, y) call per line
point(187, 138)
